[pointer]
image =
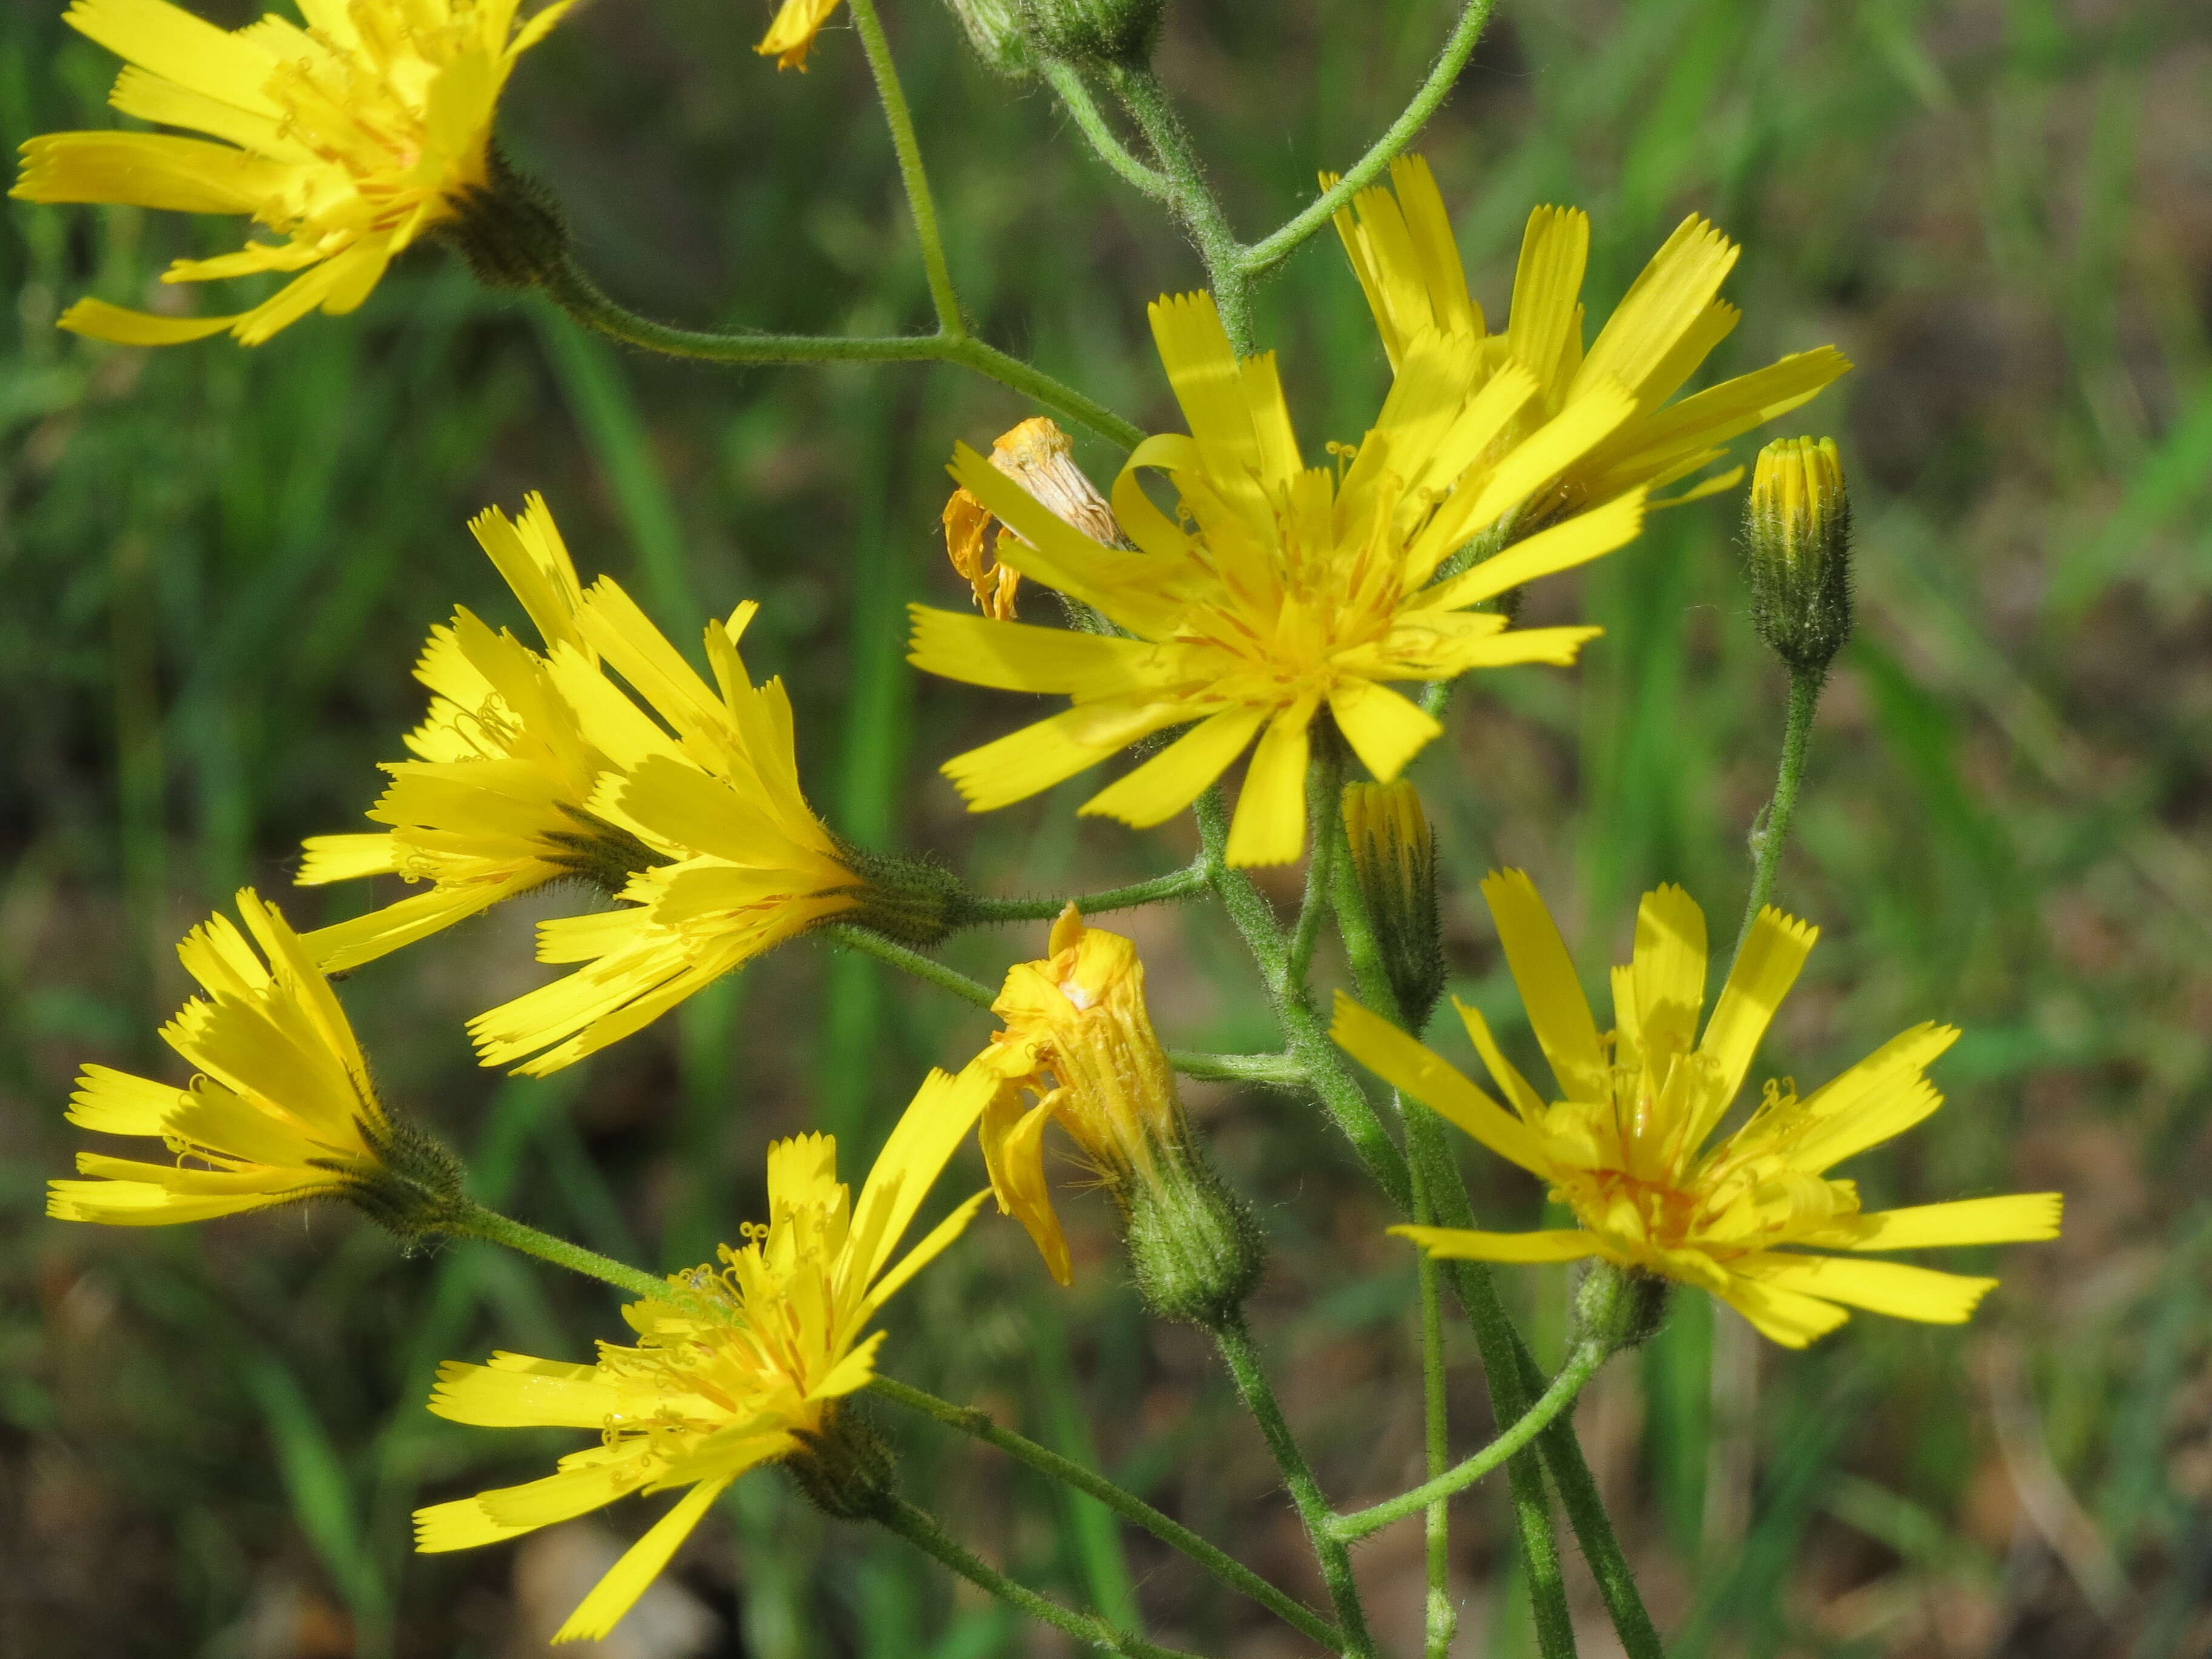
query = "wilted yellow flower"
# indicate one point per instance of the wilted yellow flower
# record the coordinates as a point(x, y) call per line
point(790, 34)
point(1624, 1143)
point(279, 1108)
point(1670, 320)
point(733, 1367)
point(1078, 1037)
point(1037, 455)
point(350, 139)
point(755, 867)
point(499, 797)
point(1284, 591)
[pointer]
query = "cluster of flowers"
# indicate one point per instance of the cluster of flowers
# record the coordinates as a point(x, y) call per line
point(1277, 595)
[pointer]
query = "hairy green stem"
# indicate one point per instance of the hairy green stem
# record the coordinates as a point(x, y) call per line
point(910, 961)
point(1440, 1620)
point(1067, 82)
point(1438, 1189)
point(970, 1421)
point(475, 1221)
point(921, 205)
point(1769, 831)
point(1189, 197)
point(1581, 1366)
point(1304, 1032)
point(1276, 1071)
point(1243, 1361)
point(923, 1530)
point(1271, 250)
point(1180, 884)
point(575, 292)
point(1327, 856)
point(1586, 1513)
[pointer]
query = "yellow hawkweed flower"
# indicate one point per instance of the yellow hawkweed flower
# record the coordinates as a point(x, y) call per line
point(790, 34)
point(1624, 1143)
point(279, 1108)
point(499, 797)
point(755, 867)
point(1670, 320)
point(1284, 591)
point(351, 139)
point(734, 1367)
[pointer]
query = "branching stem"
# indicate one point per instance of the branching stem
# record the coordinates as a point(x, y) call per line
point(1243, 1361)
point(1124, 1503)
point(923, 1530)
point(575, 292)
point(1581, 1366)
point(1179, 884)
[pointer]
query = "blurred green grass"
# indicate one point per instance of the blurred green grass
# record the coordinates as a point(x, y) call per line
point(219, 565)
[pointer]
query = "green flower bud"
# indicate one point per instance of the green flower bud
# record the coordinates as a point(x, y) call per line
point(508, 232)
point(995, 30)
point(1394, 860)
point(1092, 31)
point(1797, 530)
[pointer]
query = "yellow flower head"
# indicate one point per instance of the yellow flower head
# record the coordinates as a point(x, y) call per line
point(1283, 590)
point(754, 865)
point(733, 1367)
point(1623, 1142)
point(499, 797)
point(790, 34)
point(279, 1108)
point(1078, 1036)
point(350, 139)
point(1401, 248)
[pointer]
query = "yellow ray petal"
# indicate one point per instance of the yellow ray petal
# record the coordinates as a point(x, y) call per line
point(1882, 1096)
point(1013, 1151)
point(345, 858)
point(149, 170)
point(1545, 974)
point(2016, 1219)
point(1780, 1316)
point(96, 320)
point(140, 1204)
point(1027, 762)
point(1883, 1287)
point(1465, 1245)
point(1576, 541)
point(1546, 289)
point(112, 1103)
point(1404, 1063)
point(616, 1593)
point(1174, 778)
point(171, 41)
point(1588, 422)
point(1384, 729)
point(1270, 823)
point(1503, 1072)
point(1010, 656)
point(1663, 304)
point(1765, 969)
point(1669, 971)
point(506, 1397)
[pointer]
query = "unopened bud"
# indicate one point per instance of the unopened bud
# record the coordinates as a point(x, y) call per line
point(1798, 532)
point(995, 32)
point(1618, 1307)
point(1394, 860)
point(1092, 31)
point(506, 230)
